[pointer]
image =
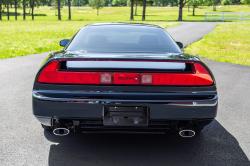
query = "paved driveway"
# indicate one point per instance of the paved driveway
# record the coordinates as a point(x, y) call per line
point(225, 142)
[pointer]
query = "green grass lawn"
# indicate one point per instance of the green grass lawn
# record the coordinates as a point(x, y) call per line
point(229, 42)
point(18, 38)
point(122, 13)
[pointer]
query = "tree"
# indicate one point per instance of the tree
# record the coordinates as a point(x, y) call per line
point(24, 5)
point(136, 8)
point(32, 8)
point(182, 3)
point(246, 2)
point(144, 10)
point(144, 4)
point(226, 2)
point(132, 12)
point(119, 2)
point(137, 2)
point(195, 3)
point(15, 4)
point(8, 10)
point(69, 9)
point(97, 4)
point(58, 6)
point(1, 1)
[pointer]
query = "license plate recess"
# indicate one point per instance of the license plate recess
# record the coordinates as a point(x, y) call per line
point(125, 116)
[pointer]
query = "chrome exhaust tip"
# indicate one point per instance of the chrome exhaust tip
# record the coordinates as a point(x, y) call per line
point(187, 133)
point(61, 131)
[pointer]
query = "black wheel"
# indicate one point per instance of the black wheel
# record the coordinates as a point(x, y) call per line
point(47, 127)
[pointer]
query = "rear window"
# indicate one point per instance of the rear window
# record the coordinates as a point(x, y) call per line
point(123, 38)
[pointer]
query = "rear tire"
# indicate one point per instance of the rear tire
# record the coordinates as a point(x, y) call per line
point(49, 128)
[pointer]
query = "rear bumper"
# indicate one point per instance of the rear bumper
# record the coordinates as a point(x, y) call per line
point(55, 104)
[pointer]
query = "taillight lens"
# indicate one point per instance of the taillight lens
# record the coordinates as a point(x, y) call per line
point(51, 74)
point(146, 79)
point(200, 77)
point(106, 78)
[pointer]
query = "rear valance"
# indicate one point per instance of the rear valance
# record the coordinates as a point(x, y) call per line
point(179, 66)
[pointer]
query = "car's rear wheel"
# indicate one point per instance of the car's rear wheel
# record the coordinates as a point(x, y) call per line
point(47, 127)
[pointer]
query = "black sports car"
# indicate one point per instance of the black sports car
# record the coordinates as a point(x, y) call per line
point(124, 78)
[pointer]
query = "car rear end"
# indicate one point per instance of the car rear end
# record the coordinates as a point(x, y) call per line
point(124, 78)
point(124, 95)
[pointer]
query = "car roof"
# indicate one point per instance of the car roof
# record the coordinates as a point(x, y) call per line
point(122, 24)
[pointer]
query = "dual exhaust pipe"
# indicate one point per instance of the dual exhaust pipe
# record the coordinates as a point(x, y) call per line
point(65, 131)
point(61, 131)
point(187, 133)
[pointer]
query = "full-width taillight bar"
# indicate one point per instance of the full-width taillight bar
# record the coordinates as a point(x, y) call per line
point(51, 74)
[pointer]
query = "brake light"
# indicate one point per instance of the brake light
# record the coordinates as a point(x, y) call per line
point(52, 74)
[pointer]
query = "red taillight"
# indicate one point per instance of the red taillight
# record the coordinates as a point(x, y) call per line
point(199, 76)
point(48, 75)
point(202, 75)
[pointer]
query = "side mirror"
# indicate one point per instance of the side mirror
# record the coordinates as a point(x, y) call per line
point(180, 44)
point(64, 42)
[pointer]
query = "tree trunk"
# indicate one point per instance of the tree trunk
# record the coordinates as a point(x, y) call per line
point(49, 2)
point(0, 11)
point(8, 12)
point(32, 10)
point(24, 5)
point(180, 13)
point(144, 10)
point(59, 12)
point(30, 5)
point(69, 10)
point(136, 9)
point(188, 8)
point(193, 9)
point(132, 12)
point(214, 6)
point(15, 3)
point(97, 12)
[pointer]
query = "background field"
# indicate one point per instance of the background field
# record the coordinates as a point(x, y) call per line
point(229, 42)
point(18, 38)
point(122, 13)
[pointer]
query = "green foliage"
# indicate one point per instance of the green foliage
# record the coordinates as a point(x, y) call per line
point(97, 4)
point(119, 3)
point(226, 2)
point(196, 2)
point(227, 43)
point(112, 14)
point(246, 2)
